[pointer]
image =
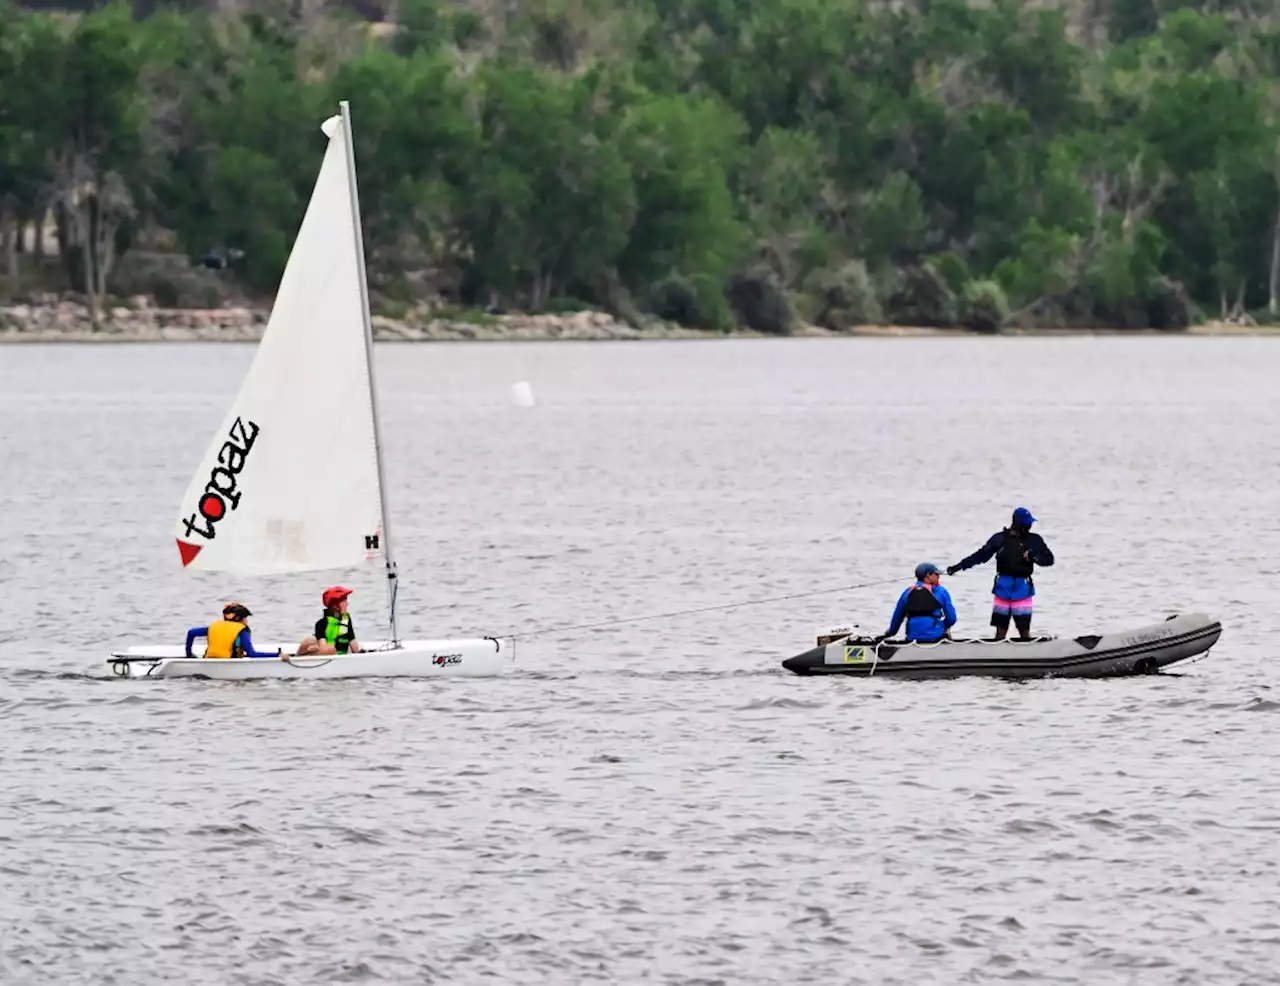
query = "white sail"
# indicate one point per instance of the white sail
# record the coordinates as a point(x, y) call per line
point(290, 482)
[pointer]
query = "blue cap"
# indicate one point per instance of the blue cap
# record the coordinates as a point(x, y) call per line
point(926, 568)
point(1023, 516)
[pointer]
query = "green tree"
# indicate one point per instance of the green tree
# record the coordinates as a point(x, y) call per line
point(83, 89)
point(783, 204)
point(415, 146)
point(685, 222)
point(549, 199)
point(712, 159)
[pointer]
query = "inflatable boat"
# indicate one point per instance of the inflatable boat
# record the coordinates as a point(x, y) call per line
point(1144, 650)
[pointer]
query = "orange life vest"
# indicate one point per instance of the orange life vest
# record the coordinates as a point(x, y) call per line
point(222, 639)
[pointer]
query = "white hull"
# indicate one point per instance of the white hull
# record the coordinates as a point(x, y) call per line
point(474, 658)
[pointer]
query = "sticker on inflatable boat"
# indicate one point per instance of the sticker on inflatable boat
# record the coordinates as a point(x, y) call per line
point(855, 655)
point(1150, 636)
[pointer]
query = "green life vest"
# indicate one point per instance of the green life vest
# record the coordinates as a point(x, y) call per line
point(337, 631)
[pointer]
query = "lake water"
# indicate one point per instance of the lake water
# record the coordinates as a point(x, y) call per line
point(657, 802)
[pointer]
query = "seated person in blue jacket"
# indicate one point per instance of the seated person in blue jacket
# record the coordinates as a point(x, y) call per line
point(229, 637)
point(926, 606)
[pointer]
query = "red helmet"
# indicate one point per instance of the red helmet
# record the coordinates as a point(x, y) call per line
point(334, 594)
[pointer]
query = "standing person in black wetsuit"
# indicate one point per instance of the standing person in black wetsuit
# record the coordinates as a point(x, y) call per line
point(1017, 552)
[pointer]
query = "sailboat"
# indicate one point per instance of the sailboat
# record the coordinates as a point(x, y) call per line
point(293, 480)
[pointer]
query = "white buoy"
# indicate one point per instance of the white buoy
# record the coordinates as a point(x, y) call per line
point(522, 394)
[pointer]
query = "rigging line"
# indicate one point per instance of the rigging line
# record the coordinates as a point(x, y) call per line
point(393, 596)
point(540, 631)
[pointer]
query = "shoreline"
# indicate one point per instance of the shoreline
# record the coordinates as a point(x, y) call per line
point(68, 322)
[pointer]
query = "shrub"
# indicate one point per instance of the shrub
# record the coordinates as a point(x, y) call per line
point(843, 297)
point(567, 306)
point(171, 280)
point(921, 296)
point(1169, 306)
point(690, 301)
point(983, 306)
point(760, 303)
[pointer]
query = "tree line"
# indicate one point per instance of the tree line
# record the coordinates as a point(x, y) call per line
point(713, 162)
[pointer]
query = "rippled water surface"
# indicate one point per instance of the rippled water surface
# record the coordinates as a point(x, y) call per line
point(657, 802)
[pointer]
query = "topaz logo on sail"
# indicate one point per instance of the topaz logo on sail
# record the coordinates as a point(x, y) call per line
point(222, 493)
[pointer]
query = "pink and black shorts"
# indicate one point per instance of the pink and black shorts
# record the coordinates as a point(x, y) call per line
point(1019, 610)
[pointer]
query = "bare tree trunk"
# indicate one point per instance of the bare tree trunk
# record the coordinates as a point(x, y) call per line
point(42, 216)
point(1273, 286)
point(1273, 304)
point(9, 233)
point(63, 220)
point(779, 248)
point(99, 258)
point(106, 258)
point(106, 250)
point(541, 290)
point(89, 253)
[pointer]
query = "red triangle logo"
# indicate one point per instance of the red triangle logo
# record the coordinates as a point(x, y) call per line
point(187, 551)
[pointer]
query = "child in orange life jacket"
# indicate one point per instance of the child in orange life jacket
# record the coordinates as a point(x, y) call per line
point(229, 637)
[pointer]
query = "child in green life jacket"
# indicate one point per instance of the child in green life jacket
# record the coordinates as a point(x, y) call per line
point(335, 633)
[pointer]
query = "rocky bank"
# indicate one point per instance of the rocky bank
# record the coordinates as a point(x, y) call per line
point(59, 320)
point(54, 319)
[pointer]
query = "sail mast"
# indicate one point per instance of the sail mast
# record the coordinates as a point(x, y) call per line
point(368, 345)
